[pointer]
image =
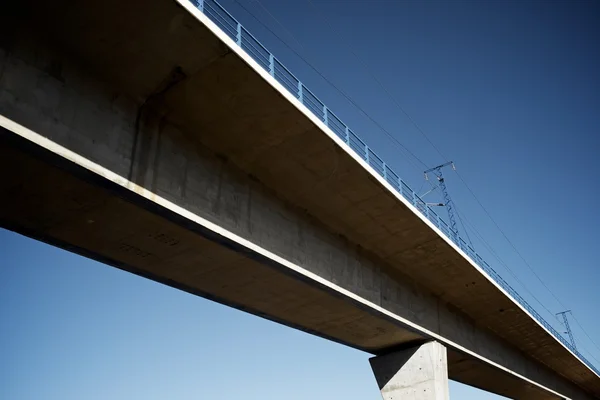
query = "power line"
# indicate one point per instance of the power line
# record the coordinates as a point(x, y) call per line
point(464, 229)
point(588, 336)
point(510, 242)
point(343, 93)
point(366, 67)
point(502, 262)
point(282, 26)
point(491, 250)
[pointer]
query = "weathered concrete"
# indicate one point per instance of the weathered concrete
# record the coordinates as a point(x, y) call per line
point(169, 157)
point(416, 373)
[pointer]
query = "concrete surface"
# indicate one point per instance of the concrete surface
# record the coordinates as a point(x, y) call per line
point(418, 373)
point(154, 147)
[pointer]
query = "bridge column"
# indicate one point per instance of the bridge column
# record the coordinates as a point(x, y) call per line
point(416, 373)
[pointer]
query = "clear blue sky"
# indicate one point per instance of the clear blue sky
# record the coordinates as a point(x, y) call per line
point(508, 90)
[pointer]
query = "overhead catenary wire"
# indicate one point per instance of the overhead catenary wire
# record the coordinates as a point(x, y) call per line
point(586, 334)
point(464, 229)
point(510, 242)
point(329, 82)
point(374, 77)
point(505, 265)
point(501, 261)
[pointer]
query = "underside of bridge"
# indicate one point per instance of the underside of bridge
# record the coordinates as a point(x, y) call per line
point(77, 210)
point(145, 141)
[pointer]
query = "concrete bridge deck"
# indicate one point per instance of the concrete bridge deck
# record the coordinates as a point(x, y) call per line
point(138, 134)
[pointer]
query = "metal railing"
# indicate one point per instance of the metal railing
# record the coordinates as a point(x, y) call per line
point(230, 26)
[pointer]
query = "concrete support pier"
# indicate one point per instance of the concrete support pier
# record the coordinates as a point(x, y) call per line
point(416, 373)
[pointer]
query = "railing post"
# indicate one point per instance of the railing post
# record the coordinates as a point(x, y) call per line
point(347, 136)
point(201, 5)
point(325, 115)
point(367, 154)
point(238, 37)
point(384, 171)
point(300, 94)
point(271, 65)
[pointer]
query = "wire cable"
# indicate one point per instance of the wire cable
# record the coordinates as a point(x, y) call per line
point(502, 262)
point(343, 93)
point(510, 242)
point(588, 336)
point(374, 77)
point(464, 229)
point(282, 26)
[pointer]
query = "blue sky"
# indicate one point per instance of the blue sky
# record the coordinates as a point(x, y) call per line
point(508, 90)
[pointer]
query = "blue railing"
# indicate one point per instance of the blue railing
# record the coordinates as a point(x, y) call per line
point(229, 25)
